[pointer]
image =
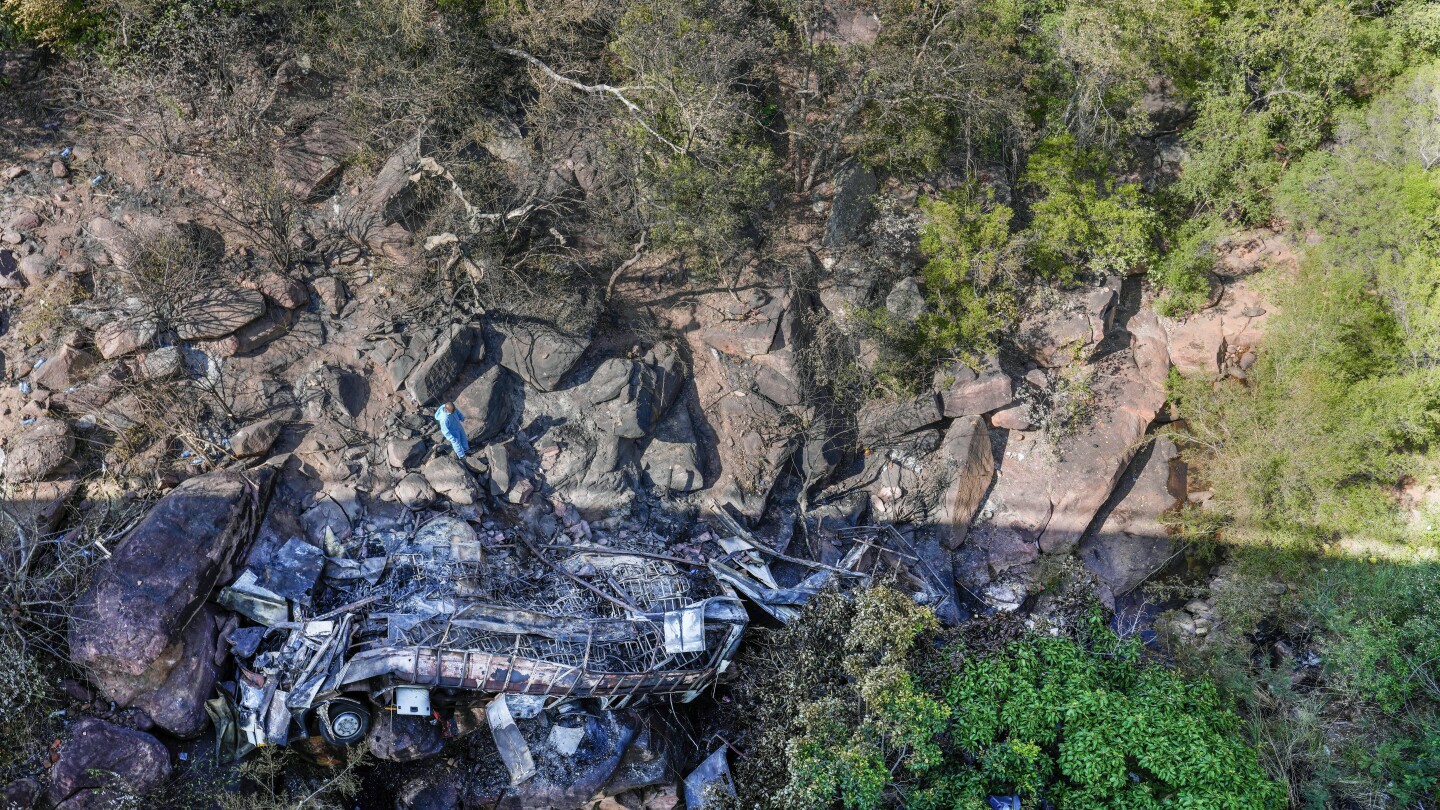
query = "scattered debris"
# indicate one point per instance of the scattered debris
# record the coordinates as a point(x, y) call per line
point(712, 778)
point(439, 622)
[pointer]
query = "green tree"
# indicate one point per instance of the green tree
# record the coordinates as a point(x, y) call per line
point(970, 279)
point(1082, 220)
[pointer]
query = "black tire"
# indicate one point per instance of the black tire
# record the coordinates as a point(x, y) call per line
point(343, 721)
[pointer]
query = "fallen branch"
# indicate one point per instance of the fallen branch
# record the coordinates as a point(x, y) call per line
point(594, 89)
point(625, 265)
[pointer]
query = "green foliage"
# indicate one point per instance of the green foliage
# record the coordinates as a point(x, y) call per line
point(970, 281)
point(704, 167)
point(1095, 729)
point(1364, 729)
point(1183, 275)
point(941, 78)
point(63, 25)
point(1280, 73)
point(1079, 720)
point(1082, 220)
point(1346, 391)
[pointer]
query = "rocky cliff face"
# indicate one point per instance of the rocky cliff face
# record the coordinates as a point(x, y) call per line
point(686, 401)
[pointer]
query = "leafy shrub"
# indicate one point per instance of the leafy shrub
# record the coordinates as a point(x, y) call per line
point(1345, 394)
point(970, 281)
point(693, 141)
point(1081, 220)
point(1280, 71)
point(59, 24)
point(914, 719)
point(1183, 275)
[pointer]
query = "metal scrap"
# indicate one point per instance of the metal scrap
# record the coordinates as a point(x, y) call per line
point(708, 781)
point(259, 604)
point(514, 751)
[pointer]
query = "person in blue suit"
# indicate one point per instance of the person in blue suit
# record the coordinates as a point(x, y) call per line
point(450, 421)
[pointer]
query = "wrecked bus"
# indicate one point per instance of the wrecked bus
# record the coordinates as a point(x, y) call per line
point(438, 620)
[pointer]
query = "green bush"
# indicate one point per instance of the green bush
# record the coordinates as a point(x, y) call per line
point(1183, 275)
point(892, 712)
point(1345, 397)
point(970, 282)
point(1279, 74)
point(1081, 220)
point(694, 140)
point(64, 25)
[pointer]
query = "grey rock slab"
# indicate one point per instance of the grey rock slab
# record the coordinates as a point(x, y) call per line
point(123, 336)
point(541, 355)
point(256, 439)
point(987, 392)
point(672, 458)
point(450, 478)
point(38, 450)
point(852, 206)
point(414, 491)
point(405, 453)
point(436, 373)
point(883, 421)
point(217, 313)
point(486, 403)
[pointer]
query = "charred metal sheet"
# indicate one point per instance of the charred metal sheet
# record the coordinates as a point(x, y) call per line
point(256, 603)
point(709, 781)
point(514, 751)
point(293, 570)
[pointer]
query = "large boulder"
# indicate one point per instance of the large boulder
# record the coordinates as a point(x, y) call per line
point(485, 401)
point(672, 459)
point(310, 160)
point(971, 394)
point(1047, 492)
point(414, 491)
point(62, 370)
point(1059, 335)
point(746, 325)
point(39, 505)
point(407, 451)
point(116, 245)
point(24, 794)
point(123, 336)
point(1093, 459)
point(967, 455)
point(128, 629)
point(586, 467)
point(1133, 543)
point(850, 211)
point(178, 704)
point(540, 354)
point(102, 764)
point(216, 313)
point(448, 477)
point(1197, 345)
point(436, 373)
point(37, 269)
point(392, 192)
point(38, 450)
point(628, 397)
